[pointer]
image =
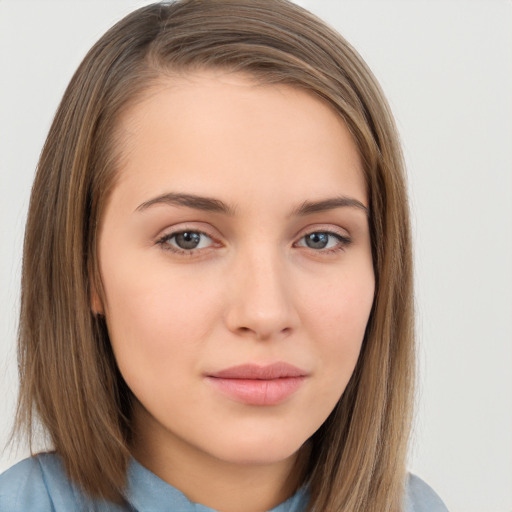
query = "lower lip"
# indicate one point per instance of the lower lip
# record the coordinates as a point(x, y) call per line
point(256, 391)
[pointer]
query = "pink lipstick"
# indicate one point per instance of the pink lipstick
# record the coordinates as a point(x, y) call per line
point(258, 385)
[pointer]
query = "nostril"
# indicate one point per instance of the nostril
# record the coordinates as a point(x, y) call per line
point(264, 334)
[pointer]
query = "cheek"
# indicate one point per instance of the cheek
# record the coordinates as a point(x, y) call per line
point(156, 318)
point(336, 319)
point(341, 308)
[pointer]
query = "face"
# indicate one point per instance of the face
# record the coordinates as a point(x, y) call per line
point(236, 262)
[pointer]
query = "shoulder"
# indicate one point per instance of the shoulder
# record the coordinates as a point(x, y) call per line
point(420, 497)
point(38, 484)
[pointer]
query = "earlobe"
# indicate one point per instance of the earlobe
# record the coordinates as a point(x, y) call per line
point(96, 302)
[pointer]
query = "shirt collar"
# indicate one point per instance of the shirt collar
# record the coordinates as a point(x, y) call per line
point(148, 493)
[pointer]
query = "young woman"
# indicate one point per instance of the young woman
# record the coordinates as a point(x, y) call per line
point(217, 284)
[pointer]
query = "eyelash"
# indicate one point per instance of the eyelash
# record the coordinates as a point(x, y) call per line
point(164, 242)
point(343, 242)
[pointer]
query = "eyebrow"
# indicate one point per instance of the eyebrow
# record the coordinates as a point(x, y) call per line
point(309, 207)
point(216, 205)
point(208, 204)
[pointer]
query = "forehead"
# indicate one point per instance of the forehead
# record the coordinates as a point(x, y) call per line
point(216, 132)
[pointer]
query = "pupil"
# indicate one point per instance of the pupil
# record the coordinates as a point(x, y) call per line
point(317, 240)
point(187, 240)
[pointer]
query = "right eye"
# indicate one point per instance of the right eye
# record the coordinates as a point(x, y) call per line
point(185, 241)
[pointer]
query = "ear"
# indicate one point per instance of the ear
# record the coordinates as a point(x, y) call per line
point(96, 303)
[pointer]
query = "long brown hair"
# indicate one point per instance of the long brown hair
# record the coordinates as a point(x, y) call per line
point(69, 378)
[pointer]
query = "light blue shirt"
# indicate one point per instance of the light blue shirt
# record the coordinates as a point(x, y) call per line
point(39, 484)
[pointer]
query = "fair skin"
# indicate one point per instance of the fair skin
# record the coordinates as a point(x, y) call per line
point(236, 234)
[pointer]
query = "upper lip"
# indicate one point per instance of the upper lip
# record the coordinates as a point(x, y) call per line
point(278, 370)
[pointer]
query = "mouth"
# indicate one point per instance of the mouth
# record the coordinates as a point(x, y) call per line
point(258, 385)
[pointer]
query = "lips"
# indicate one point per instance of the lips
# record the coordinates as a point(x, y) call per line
point(258, 385)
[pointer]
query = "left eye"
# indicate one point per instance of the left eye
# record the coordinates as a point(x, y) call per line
point(187, 240)
point(322, 240)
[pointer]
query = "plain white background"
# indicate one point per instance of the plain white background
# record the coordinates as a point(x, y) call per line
point(446, 67)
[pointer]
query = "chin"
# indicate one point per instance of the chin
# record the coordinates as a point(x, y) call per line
point(258, 450)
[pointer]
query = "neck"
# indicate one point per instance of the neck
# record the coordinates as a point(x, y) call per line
point(223, 485)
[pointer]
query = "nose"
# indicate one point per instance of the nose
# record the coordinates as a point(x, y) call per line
point(261, 303)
